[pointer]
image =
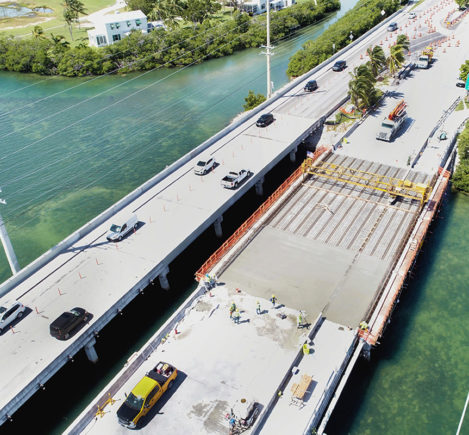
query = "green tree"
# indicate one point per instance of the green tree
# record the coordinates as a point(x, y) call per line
point(253, 100)
point(38, 32)
point(197, 11)
point(362, 87)
point(461, 3)
point(395, 59)
point(403, 41)
point(78, 7)
point(377, 59)
point(167, 11)
point(464, 70)
point(70, 17)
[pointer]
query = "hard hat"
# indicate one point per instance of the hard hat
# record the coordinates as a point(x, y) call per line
point(237, 310)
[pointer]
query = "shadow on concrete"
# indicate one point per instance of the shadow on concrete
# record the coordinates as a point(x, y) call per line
point(309, 391)
point(406, 125)
point(157, 408)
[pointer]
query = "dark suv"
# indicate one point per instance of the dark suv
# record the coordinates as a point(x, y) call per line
point(265, 120)
point(339, 65)
point(62, 327)
point(311, 86)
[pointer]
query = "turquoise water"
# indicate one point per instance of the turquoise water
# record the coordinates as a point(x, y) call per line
point(418, 378)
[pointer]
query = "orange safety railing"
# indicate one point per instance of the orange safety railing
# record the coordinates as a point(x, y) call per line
point(249, 223)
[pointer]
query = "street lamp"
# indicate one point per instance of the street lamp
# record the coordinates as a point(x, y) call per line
point(351, 36)
point(10, 253)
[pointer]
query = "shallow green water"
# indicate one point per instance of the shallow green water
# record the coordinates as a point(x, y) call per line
point(418, 378)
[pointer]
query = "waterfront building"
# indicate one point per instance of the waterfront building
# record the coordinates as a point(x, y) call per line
point(256, 7)
point(111, 28)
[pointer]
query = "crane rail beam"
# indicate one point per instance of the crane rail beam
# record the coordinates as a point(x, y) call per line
point(383, 183)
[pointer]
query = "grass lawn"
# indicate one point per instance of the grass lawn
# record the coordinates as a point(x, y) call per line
point(51, 23)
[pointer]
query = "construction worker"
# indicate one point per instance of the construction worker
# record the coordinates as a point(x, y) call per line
point(232, 309)
point(236, 316)
point(300, 321)
point(258, 307)
point(273, 299)
point(363, 326)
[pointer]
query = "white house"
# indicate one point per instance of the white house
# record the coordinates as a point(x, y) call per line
point(256, 7)
point(111, 28)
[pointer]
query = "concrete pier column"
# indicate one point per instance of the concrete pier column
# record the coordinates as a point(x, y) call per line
point(293, 154)
point(217, 226)
point(260, 186)
point(91, 351)
point(163, 277)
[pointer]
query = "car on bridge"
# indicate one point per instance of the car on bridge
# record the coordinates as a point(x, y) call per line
point(340, 65)
point(205, 165)
point(460, 83)
point(265, 120)
point(311, 86)
point(10, 311)
point(62, 327)
point(234, 179)
point(392, 27)
point(118, 232)
point(412, 16)
point(146, 393)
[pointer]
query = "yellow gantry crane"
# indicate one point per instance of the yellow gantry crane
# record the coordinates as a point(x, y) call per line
point(393, 186)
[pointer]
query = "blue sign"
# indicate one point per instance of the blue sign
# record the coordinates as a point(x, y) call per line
point(467, 83)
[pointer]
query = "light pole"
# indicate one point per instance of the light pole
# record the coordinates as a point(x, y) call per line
point(351, 36)
point(268, 53)
point(7, 246)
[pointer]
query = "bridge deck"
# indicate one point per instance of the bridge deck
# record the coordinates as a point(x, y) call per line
point(329, 247)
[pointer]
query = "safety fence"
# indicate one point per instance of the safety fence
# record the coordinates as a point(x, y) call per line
point(249, 223)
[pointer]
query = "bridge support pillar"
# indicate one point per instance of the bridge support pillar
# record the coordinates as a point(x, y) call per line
point(163, 277)
point(293, 154)
point(260, 186)
point(91, 351)
point(217, 226)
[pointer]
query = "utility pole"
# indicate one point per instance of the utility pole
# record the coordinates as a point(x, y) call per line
point(10, 253)
point(268, 53)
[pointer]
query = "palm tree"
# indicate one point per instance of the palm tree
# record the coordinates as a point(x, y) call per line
point(403, 41)
point(396, 59)
point(70, 17)
point(377, 59)
point(362, 87)
point(78, 7)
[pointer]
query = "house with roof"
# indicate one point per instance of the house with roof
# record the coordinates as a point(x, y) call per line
point(111, 28)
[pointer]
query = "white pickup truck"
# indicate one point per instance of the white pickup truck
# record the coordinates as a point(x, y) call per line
point(234, 179)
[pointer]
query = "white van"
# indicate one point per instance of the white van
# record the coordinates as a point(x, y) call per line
point(118, 232)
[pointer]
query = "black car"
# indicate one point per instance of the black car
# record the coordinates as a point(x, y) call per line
point(339, 65)
point(311, 86)
point(460, 83)
point(61, 327)
point(265, 120)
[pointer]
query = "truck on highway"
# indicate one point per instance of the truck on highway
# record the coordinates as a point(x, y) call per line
point(425, 59)
point(146, 393)
point(392, 122)
point(234, 179)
